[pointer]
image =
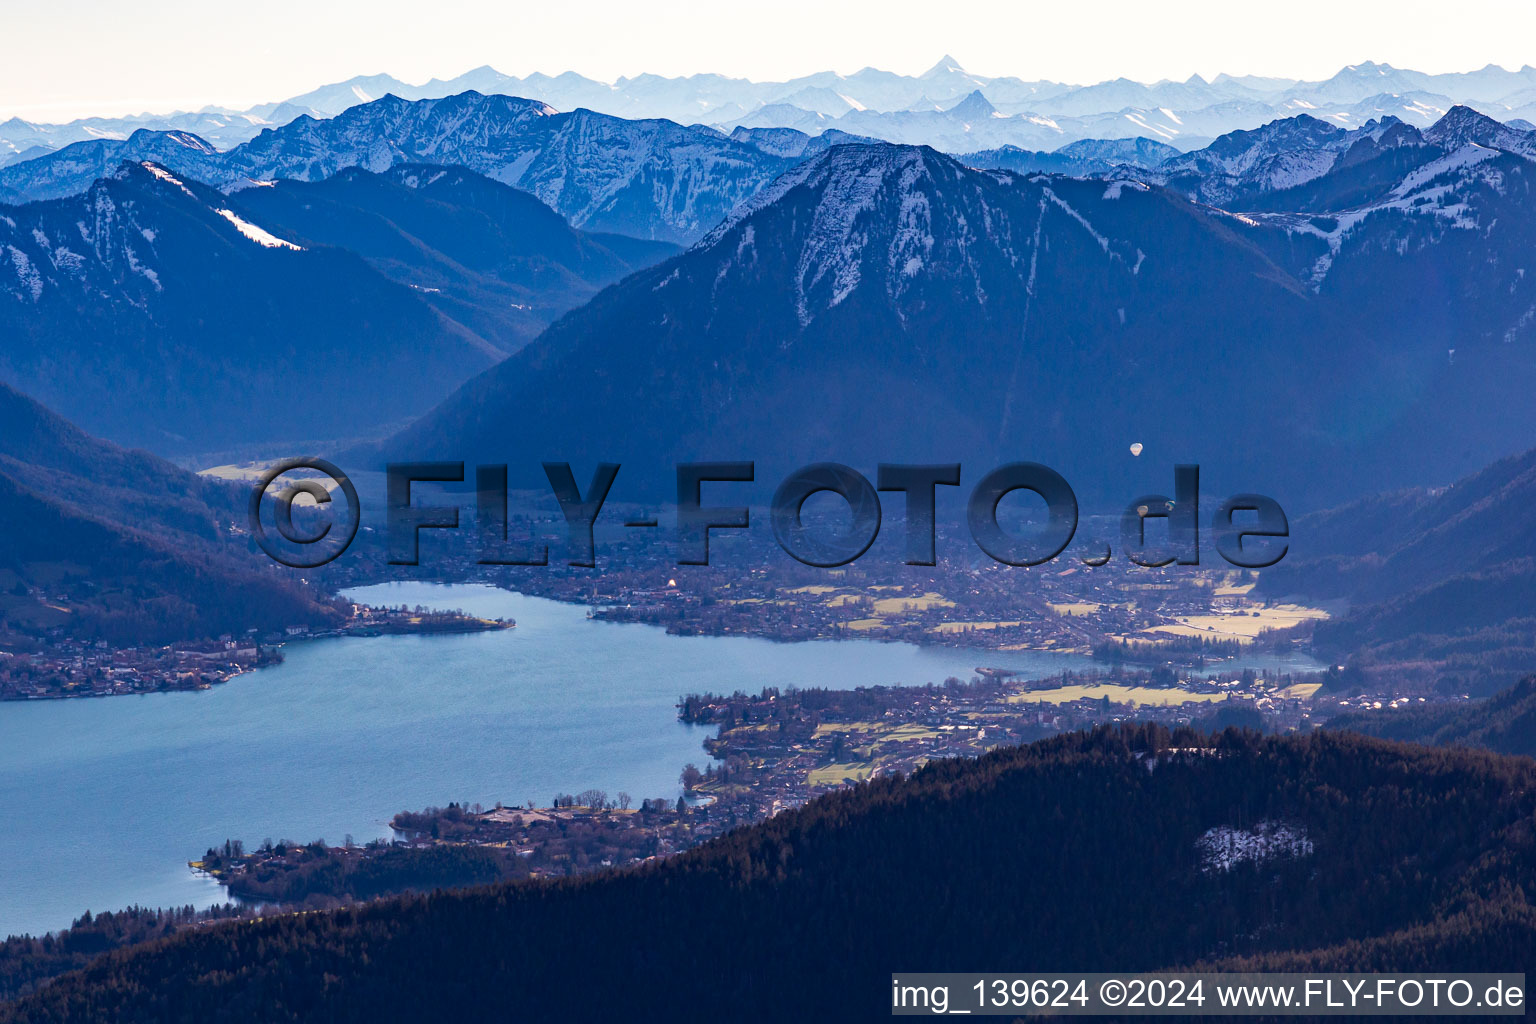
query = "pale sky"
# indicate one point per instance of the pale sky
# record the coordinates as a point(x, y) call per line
point(69, 58)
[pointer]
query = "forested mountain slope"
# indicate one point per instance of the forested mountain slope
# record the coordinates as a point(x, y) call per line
point(1130, 847)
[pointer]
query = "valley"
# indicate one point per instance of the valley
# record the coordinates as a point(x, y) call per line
point(382, 784)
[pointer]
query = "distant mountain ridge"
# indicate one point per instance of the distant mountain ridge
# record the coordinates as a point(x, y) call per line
point(1188, 113)
point(1088, 158)
point(660, 180)
point(1320, 196)
point(1239, 168)
point(649, 179)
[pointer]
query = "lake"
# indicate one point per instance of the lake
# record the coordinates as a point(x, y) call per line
point(106, 800)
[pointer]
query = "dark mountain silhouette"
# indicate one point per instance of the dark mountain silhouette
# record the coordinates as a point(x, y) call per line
point(488, 256)
point(1245, 852)
point(903, 306)
point(103, 543)
point(1504, 723)
point(150, 311)
point(1441, 577)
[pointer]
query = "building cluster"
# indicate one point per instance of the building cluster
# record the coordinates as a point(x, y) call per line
point(70, 668)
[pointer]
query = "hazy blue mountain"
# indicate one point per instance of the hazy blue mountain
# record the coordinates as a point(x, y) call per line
point(330, 100)
point(1280, 155)
point(72, 169)
point(907, 307)
point(1357, 81)
point(1132, 152)
point(1192, 94)
point(26, 140)
point(782, 115)
point(1088, 157)
point(1188, 113)
point(150, 311)
point(788, 142)
point(1289, 164)
point(1462, 125)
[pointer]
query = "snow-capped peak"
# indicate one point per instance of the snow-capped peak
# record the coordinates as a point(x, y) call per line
point(1462, 125)
point(947, 65)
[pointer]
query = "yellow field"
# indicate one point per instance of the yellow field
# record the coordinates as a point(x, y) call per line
point(902, 734)
point(864, 623)
point(1047, 649)
point(961, 627)
point(1117, 695)
point(886, 605)
point(831, 727)
point(1301, 691)
point(1242, 628)
point(897, 605)
point(1080, 608)
point(876, 733)
point(812, 590)
point(833, 774)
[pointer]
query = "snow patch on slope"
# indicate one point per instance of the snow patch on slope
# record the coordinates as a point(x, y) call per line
point(26, 272)
point(1223, 848)
point(261, 236)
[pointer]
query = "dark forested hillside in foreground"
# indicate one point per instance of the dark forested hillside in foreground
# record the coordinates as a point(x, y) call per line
point(101, 543)
point(1440, 581)
point(1124, 849)
point(1505, 722)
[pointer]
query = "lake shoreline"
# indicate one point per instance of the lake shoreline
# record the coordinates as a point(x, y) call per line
point(347, 730)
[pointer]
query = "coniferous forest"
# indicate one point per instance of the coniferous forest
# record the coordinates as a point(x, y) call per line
point(1085, 848)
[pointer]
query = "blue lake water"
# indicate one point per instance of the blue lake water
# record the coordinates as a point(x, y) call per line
point(106, 800)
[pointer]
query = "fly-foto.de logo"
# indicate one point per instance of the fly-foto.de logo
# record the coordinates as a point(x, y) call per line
point(1250, 531)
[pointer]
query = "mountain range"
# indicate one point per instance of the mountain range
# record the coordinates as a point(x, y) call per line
point(906, 306)
point(992, 111)
point(661, 180)
point(650, 179)
point(1389, 258)
point(150, 311)
point(155, 310)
